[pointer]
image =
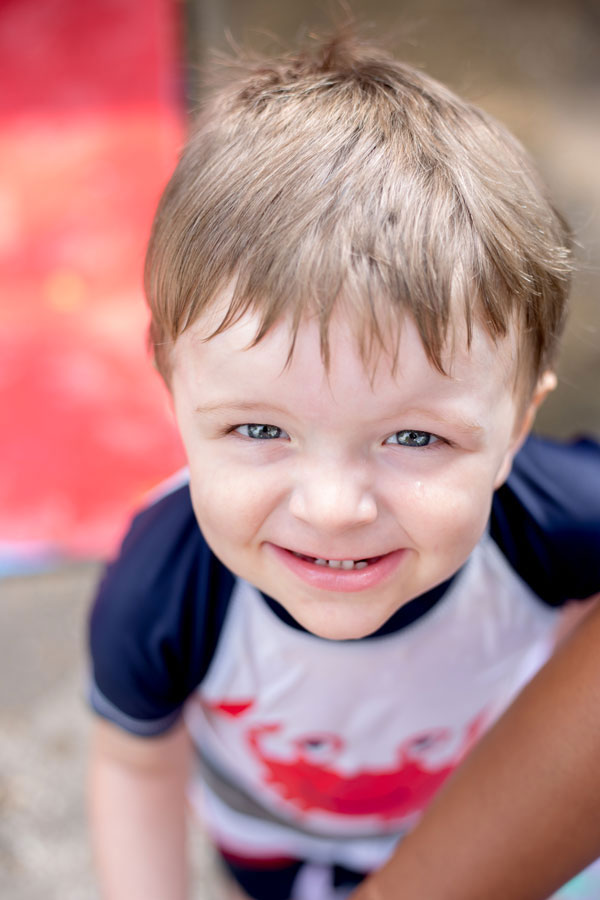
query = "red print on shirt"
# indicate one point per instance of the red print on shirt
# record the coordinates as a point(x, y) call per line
point(307, 778)
point(234, 709)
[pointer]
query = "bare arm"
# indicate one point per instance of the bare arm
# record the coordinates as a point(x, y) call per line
point(137, 813)
point(520, 817)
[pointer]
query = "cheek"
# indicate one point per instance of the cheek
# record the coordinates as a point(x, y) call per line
point(448, 514)
point(230, 504)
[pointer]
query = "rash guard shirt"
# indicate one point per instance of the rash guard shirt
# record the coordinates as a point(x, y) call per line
point(330, 749)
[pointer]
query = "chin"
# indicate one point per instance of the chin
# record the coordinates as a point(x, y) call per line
point(338, 625)
point(344, 634)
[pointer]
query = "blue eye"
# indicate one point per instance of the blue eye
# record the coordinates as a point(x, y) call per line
point(261, 432)
point(409, 438)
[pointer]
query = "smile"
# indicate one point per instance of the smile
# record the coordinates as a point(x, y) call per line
point(347, 564)
point(339, 575)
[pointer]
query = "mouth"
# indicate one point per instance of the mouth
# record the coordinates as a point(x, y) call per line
point(339, 574)
point(346, 564)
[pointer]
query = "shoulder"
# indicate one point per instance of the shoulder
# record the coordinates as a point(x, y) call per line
point(157, 617)
point(546, 518)
point(163, 550)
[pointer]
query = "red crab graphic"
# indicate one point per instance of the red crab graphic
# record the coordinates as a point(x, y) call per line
point(309, 781)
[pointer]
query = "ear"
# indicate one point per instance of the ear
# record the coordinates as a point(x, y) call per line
point(546, 383)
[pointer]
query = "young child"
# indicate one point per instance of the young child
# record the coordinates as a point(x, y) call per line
point(357, 284)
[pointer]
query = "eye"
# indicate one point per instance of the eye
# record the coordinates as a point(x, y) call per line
point(409, 438)
point(261, 432)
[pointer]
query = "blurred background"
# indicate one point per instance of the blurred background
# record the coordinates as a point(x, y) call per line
point(95, 98)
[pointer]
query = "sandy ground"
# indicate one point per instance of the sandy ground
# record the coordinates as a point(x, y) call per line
point(44, 729)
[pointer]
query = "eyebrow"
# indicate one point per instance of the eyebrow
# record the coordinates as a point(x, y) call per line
point(457, 423)
point(239, 406)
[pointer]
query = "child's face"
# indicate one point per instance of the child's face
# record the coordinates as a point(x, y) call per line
point(292, 465)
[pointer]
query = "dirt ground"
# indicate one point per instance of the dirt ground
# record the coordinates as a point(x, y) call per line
point(44, 728)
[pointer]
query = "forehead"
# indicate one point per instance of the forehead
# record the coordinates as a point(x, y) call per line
point(230, 362)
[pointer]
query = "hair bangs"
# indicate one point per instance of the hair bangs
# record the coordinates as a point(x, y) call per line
point(345, 180)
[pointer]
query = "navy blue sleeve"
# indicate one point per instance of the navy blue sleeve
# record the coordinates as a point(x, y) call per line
point(156, 619)
point(546, 518)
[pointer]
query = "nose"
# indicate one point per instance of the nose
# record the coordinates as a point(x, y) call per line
point(333, 497)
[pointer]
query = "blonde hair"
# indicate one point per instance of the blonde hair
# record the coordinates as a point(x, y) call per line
point(339, 173)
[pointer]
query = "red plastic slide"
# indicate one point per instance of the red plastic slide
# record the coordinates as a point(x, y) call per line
point(90, 126)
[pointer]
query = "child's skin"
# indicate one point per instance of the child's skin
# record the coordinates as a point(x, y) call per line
point(360, 462)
